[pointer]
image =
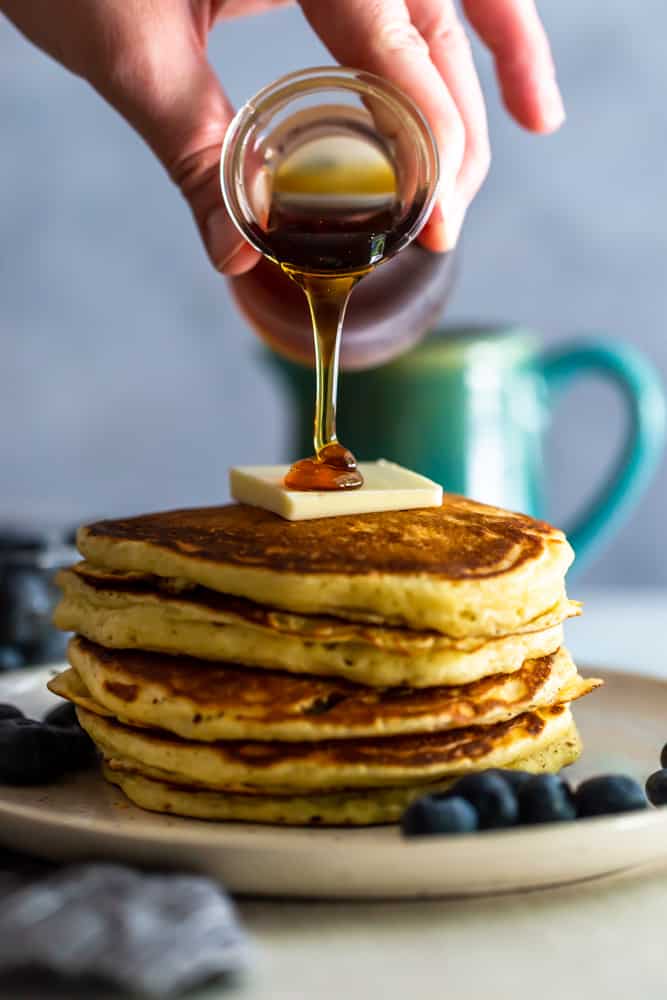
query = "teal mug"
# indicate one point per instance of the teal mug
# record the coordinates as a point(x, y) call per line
point(469, 407)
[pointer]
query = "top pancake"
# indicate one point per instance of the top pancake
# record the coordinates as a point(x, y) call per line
point(462, 569)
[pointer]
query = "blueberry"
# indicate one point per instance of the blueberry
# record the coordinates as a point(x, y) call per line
point(515, 779)
point(609, 793)
point(72, 745)
point(62, 715)
point(10, 712)
point(26, 752)
point(491, 796)
point(33, 753)
point(437, 814)
point(663, 756)
point(656, 787)
point(11, 658)
point(546, 798)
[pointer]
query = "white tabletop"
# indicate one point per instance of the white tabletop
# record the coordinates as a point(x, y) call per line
point(605, 939)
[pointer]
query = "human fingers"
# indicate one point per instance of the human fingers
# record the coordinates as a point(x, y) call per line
point(380, 37)
point(449, 48)
point(513, 32)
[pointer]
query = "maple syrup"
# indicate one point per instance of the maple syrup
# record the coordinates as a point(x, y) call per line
point(333, 467)
point(328, 227)
point(327, 194)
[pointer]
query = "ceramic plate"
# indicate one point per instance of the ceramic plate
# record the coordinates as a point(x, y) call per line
point(623, 726)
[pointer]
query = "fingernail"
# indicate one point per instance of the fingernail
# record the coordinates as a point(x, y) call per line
point(223, 240)
point(551, 102)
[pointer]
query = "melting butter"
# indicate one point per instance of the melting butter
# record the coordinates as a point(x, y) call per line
point(387, 486)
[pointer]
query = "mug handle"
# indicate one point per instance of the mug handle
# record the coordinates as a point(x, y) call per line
point(641, 387)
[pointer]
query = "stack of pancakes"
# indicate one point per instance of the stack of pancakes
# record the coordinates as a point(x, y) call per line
point(231, 665)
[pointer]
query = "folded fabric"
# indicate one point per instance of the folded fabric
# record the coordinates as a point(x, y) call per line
point(152, 934)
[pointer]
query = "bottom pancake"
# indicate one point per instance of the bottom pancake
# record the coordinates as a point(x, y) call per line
point(368, 808)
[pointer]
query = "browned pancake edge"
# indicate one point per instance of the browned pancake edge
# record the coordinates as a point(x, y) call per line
point(460, 540)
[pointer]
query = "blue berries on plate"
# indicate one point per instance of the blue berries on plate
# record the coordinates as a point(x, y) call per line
point(34, 753)
point(504, 798)
point(656, 787)
point(546, 798)
point(491, 796)
point(482, 801)
point(434, 814)
point(62, 715)
point(609, 793)
point(515, 779)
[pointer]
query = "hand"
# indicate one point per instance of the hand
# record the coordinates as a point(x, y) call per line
point(148, 59)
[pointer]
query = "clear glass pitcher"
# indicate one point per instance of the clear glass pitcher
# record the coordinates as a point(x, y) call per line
point(345, 145)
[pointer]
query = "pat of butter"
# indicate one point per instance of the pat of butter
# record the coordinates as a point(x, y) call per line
point(386, 487)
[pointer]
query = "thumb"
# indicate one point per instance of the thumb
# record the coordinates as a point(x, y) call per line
point(178, 106)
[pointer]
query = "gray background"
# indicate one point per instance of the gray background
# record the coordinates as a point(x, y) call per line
point(127, 381)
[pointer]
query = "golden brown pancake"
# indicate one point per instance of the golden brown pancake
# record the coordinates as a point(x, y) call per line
point(349, 808)
point(140, 611)
point(116, 587)
point(244, 765)
point(461, 569)
point(201, 701)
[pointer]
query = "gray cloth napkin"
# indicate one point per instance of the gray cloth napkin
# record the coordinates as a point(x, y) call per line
point(154, 934)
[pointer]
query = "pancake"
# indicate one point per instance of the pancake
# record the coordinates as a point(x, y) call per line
point(367, 808)
point(204, 702)
point(244, 765)
point(139, 611)
point(461, 569)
